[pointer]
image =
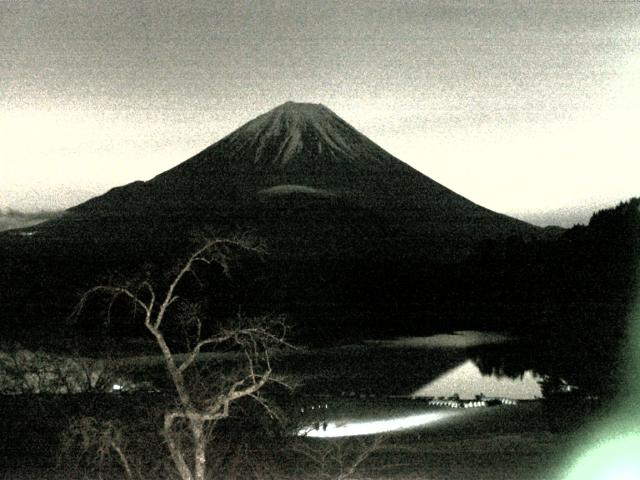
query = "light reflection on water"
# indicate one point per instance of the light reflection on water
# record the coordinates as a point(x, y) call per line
point(458, 339)
point(349, 429)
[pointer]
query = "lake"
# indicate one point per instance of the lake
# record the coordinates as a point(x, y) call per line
point(440, 365)
point(405, 384)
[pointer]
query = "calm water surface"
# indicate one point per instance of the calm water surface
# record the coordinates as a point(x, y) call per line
point(440, 365)
point(386, 386)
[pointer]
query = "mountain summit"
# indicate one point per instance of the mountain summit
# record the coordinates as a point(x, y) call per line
point(299, 135)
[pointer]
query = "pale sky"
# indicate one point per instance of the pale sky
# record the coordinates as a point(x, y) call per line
point(528, 108)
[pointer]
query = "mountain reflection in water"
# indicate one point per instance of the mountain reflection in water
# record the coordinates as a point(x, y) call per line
point(467, 381)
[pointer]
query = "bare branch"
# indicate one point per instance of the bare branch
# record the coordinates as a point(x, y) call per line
point(113, 292)
point(199, 346)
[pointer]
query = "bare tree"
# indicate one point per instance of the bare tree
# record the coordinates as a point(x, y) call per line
point(103, 439)
point(24, 371)
point(339, 459)
point(252, 339)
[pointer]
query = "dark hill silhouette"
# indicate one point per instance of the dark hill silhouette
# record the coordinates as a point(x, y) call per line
point(344, 220)
point(571, 297)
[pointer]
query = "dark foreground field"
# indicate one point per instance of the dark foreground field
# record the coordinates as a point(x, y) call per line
point(513, 456)
point(526, 441)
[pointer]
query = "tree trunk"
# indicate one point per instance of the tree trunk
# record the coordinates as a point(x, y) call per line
point(199, 443)
point(123, 460)
point(176, 454)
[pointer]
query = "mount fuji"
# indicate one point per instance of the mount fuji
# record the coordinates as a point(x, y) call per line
point(335, 210)
point(300, 165)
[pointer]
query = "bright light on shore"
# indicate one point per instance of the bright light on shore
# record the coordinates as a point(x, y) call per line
point(351, 429)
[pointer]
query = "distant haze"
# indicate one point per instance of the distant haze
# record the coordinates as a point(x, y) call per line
point(527, 108)
point(11, 219)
